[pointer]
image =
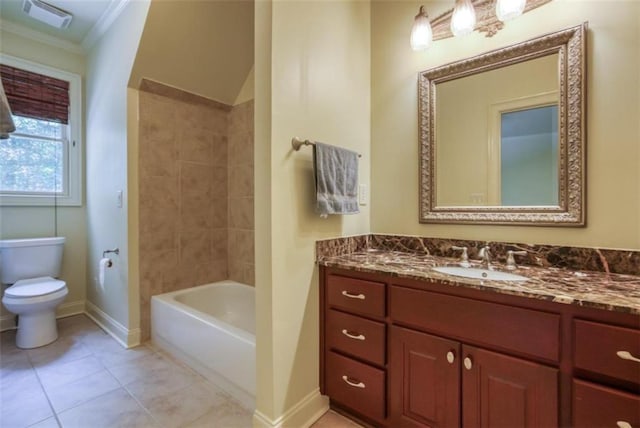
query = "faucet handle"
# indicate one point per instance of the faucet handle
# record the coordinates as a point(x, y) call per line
point(464, 257)
point(511, 261)
point(484, 252)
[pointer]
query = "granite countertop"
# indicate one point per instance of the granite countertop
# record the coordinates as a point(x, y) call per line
point(609, 291)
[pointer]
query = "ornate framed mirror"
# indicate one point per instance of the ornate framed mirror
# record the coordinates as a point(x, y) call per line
point(502, 135)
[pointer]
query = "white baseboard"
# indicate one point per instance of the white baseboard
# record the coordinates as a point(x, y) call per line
point(124, 336)
point(70, 308)
point(8, 320)
point(302, 415)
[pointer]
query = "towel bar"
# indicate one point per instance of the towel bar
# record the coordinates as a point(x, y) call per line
point(296, 143)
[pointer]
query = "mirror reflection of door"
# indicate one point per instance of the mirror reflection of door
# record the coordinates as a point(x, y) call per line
point(529, 157)
point(523, 151)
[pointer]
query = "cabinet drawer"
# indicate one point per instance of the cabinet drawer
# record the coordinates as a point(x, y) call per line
point(356, 295)
point(597, 347)
point(599, 406)
point(357, 336)
point(510, 328)
point(356, 385)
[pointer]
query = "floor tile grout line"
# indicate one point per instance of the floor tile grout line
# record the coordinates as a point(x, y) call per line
point(147, 411)
point(77, 331)
point(46, 394)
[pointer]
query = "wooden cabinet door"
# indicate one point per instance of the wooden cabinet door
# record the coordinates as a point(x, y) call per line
point(503, 391)
point(424, 389)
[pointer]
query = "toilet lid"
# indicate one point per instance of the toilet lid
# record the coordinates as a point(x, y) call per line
point(35, 287)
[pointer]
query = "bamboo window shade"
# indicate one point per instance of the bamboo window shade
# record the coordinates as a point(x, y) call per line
point(35, 95)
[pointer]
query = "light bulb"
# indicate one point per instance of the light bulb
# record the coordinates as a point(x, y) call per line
point(421, 34)
point(509, 9)
point(463, 20)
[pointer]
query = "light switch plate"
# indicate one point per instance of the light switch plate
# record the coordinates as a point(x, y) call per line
point(363, 195)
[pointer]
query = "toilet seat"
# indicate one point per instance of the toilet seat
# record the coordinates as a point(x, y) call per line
point(34, 287)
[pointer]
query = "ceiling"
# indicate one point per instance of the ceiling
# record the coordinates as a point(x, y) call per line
point(86, 14)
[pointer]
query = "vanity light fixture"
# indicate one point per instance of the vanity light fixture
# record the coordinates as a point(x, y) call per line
point(421, 34)
point(463, 20)
point(484, 16)
point(509, 9)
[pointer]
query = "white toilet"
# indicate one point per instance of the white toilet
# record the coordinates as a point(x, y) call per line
point(32, 265)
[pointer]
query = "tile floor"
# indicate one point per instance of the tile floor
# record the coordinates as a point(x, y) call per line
point(85, 379)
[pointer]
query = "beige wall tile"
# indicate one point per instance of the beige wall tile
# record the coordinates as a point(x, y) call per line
point(158, 151)
point(219, 244)
point(220, 150)
point(249, 274)
point(196, 145)
point(195, 247)
point(241, 181)
point(219, 181)
point(241, 245)
point(196, 178)
point(196, 211)
point(159, 194)
point(241, 213)
point(219, 212)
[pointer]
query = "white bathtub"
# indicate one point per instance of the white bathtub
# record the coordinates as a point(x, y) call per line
point(212, 329)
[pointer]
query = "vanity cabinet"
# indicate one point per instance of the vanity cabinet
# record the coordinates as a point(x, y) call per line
point(440, 382)
point(398, 352)
point(606, 357)
point(354, 345)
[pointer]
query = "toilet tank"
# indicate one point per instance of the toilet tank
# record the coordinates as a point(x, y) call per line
point(30, 258)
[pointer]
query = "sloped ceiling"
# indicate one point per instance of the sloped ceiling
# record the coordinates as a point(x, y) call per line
point(201, 46)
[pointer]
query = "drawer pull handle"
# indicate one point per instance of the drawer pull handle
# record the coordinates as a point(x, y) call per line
point(468, 364)
point(451, 357)
point(626, 355)
point(353, 336)
point(355, 385)
point(623, 424)
point(345, 293)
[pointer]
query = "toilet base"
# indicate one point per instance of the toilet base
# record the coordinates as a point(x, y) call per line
point(36, 329)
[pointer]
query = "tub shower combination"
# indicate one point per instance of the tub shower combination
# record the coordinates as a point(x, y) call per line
point(211, 328)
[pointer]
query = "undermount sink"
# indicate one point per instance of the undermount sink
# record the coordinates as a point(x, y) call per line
point(476, 273)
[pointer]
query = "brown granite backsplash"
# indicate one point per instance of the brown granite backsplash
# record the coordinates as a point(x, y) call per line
point(575, 258)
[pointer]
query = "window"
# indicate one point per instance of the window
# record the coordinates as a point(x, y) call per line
point(40, 164)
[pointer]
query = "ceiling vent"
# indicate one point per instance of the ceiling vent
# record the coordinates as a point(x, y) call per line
point(46, 13)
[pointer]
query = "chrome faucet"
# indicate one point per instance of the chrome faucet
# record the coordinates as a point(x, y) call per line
point(485, 256)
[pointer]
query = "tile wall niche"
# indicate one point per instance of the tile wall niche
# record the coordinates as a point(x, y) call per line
point(195, 192)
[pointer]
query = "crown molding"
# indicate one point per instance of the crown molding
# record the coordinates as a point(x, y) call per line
point(112, 12)
point(37, 36)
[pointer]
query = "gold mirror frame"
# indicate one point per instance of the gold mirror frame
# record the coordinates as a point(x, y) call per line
point(569, 44)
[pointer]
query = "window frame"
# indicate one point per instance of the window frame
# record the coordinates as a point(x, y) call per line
point(72, 176)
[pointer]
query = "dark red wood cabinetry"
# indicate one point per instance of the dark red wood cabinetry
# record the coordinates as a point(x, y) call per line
point(402, 353)
point(424, 381)
point(503, 391)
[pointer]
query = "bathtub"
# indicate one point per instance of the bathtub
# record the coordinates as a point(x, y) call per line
point(211, 328)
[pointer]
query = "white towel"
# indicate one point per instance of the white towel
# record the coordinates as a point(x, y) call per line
point(336, 171)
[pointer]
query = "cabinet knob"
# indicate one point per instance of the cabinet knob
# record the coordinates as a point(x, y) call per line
point(353, 336)
point(451, 357)
point(354, 384)
point(626, 355)
point(468, 364)
point(360, 296)
point(623, 424)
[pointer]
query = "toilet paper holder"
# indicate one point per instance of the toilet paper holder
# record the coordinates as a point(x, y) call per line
point(115, 250)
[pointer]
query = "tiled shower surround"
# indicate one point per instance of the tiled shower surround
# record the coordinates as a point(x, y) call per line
point(195, 191)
